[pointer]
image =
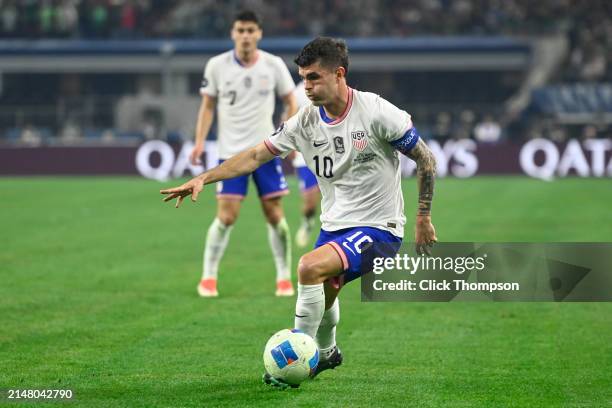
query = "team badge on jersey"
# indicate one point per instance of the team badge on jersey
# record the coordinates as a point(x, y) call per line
point(264, 81)
point(360, 140)
point(248, 82)
point(339, 144)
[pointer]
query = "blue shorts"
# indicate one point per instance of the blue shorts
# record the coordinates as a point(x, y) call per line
point(269, 180)
point(306, 178)
point(355, 248)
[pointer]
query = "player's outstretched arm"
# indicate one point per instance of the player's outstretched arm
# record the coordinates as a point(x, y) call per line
point(206, 115)
point(242, 163)
point(425, 233)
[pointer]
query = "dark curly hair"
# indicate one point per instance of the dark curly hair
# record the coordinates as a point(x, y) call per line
point(247, 15)
point(329, 52)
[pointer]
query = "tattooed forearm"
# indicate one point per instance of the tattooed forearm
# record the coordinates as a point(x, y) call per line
point(426, 171)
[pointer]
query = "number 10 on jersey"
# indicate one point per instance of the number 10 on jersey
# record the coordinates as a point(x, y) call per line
point(324, 166)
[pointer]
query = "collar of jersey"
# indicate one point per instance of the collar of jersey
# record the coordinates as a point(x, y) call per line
point(330, 121)
point(240, 62)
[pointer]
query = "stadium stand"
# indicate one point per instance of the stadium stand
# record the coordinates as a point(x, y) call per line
point(562, 92)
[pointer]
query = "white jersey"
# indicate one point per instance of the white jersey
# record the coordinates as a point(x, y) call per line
point(356, 167)
point(245, 98)
point(302, 100)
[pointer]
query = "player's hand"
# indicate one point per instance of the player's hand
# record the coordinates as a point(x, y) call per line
point(191, 188)
point(425, 234)
point(196, 154)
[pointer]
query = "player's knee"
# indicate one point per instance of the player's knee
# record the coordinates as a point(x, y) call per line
point(309, 270)
point(228, 218)
point(306, 271)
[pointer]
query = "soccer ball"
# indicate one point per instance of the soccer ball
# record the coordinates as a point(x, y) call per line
point(291, 356)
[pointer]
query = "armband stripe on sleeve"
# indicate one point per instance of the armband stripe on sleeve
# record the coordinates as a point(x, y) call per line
point(405, 143)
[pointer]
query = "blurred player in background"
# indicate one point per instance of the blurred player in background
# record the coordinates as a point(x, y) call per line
point(351, 140)
point(241, 85)
point(311, 196)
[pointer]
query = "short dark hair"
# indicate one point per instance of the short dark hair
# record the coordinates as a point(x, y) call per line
point(247, 15)
point(329, 52)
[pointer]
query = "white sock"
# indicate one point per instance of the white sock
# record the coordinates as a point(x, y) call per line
point(309, 308)
point(326, 335)
point(280, 243)
point(216, 242)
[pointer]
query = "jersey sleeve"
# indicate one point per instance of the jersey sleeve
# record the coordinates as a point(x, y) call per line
point(284, 82)
point(209, 81)
point(391, 123)
point(282, 141)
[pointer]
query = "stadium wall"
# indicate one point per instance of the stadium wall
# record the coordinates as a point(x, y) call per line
point(151, 56)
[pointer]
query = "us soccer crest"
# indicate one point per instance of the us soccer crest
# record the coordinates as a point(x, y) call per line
point(360, 140)
point(339, 144)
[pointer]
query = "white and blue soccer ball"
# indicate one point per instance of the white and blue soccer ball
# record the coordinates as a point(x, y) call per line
point(291, 356)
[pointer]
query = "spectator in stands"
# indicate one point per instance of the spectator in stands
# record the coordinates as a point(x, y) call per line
point(46, 15)
point(488, 130)
point(30, 136)
point(67, 18)
point(9, 17)
point(462, 129)
point(98, 16)
point(442, 127)
point(71, 132)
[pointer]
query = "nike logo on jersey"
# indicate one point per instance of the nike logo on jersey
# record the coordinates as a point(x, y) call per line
point(301, 316)
point(319, 144)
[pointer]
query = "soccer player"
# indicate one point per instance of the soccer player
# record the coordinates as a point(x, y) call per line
point(309, 188)
point(351, 140)
point(241, 85)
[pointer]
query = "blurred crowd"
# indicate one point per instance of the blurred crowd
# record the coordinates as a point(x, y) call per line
point(590, 39)
point(587, 25)
point(588, 20)
point(37, 19)
point(486, 127)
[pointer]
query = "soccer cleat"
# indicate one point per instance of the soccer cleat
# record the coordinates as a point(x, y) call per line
point(330, 363)
point(303, 235)
point(284, 288)
point(268, 379)
point(208, 288)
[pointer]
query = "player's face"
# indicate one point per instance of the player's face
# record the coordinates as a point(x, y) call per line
point(321, 84)
point(246, 35)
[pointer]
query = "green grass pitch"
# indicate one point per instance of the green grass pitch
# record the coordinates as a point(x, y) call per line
point(97, 295)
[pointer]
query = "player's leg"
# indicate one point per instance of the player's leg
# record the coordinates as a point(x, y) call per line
point(326, 333)
point(330, 355)
point(310, 201)
point(230, 194)
point(355, 249)
point(271, 186)
point(314, 269)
